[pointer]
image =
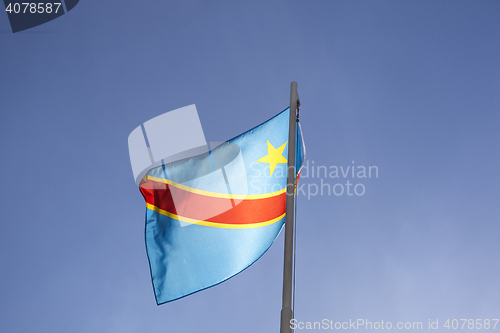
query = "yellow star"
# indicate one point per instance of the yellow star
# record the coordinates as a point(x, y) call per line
point(274, 156)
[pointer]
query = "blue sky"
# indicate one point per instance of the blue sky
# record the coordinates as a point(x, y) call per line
point(411, 87)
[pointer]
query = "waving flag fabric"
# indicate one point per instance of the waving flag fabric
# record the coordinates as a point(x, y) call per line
point(212, 215)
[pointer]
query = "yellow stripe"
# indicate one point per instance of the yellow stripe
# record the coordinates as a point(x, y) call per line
point(214, 194)
point(213, 224)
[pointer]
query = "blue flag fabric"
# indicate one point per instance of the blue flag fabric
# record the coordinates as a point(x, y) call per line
point(210, 216)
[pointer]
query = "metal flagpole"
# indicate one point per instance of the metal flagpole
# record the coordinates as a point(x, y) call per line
point(286, 310)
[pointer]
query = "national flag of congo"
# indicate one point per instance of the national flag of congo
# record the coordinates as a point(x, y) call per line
point(210, 216)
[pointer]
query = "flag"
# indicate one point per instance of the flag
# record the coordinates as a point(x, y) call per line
point(210, 216)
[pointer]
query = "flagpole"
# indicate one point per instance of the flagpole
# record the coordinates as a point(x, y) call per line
point(286, 310)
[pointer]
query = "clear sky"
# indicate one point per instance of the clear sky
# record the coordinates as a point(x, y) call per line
point(411, 87)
